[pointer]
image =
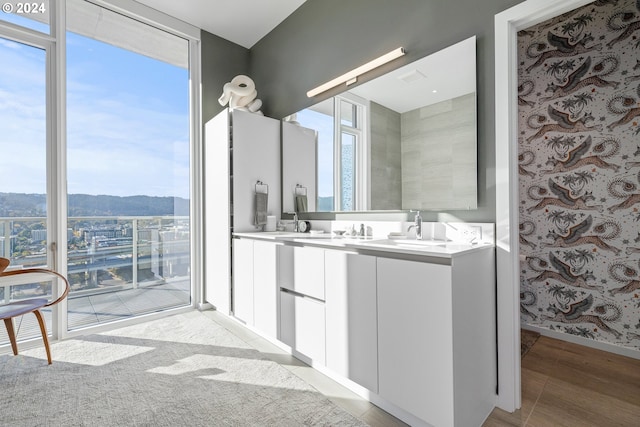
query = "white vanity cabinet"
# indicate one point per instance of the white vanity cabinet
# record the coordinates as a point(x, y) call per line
point(414, 333)
point(351, 332)
point(436, 337)
point(242, 289)
point(255, 292)
point(302, 292)
point(265, 287)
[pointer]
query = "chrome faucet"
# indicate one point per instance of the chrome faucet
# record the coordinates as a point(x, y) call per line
point(417, 225)
point(295, 221)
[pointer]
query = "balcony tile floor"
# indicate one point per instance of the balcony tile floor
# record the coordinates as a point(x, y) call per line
point(94, 309)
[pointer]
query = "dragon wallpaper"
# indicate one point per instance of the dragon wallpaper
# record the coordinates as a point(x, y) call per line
point(579, 173)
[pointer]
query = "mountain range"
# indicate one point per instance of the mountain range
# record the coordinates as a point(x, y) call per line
point(29, 205)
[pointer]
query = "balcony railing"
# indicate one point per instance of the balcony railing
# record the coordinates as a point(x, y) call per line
point(118, 267)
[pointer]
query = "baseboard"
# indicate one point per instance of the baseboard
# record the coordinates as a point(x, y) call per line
point(598, 345)
point(202, 306)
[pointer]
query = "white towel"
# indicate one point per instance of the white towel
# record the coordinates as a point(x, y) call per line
point(301, 203)
point(261, 208)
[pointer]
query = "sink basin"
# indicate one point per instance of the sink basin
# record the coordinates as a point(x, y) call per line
point(275, 234)
point(294, 234)
point(314, 236)
point(405, 243)
point(278, 233)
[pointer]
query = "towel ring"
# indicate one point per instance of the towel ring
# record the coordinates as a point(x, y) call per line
point(300, 190)
point(262, 184)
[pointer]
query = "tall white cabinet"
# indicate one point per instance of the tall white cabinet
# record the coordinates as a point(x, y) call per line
point(240, 148)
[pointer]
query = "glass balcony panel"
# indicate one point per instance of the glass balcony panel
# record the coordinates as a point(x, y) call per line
point(124, 267)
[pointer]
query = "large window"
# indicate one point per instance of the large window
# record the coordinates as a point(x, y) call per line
point(113, 191)
point(127, 166)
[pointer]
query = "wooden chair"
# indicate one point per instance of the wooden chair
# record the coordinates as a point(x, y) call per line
point(31, 305)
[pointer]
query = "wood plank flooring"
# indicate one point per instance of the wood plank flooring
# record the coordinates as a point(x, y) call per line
point(565, 384)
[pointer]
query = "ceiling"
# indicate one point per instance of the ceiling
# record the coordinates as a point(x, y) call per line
point(446, 74)
point(243, 22)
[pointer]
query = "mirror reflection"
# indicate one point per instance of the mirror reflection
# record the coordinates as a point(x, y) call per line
point(405, 140)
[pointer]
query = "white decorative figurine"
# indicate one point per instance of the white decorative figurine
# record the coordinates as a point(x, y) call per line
point(241, 94)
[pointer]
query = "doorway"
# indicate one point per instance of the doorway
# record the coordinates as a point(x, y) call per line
point(507, 25)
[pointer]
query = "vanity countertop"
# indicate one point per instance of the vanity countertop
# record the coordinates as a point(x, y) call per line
point(431, 248)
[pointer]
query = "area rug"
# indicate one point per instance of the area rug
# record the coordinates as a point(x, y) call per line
point(184, 370)
point(527, 340)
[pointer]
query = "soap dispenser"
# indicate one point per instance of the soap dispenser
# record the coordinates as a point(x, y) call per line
point(417, 224)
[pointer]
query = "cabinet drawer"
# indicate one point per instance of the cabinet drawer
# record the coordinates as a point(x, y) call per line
point(301, 269)
point(302, 325)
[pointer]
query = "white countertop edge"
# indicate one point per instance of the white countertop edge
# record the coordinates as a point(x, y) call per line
point(445, 250)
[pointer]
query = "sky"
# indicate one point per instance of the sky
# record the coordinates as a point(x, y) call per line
point(127, 121)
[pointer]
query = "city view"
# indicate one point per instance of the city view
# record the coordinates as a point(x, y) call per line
point(101, 249)
point(118, 265)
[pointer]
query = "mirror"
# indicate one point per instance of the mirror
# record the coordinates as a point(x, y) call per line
point(405, 140)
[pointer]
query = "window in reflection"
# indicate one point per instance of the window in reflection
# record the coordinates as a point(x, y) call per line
point(350, 144)
point(347, 171)
point(348, 114)
point(339, 122)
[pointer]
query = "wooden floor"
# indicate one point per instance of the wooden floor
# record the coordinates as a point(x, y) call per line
point(565, 384)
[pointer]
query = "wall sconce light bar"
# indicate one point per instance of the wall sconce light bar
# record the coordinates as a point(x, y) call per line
point(352, 76)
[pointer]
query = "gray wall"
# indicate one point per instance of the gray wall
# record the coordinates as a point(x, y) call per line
point(222, 60)
point(325, 38)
